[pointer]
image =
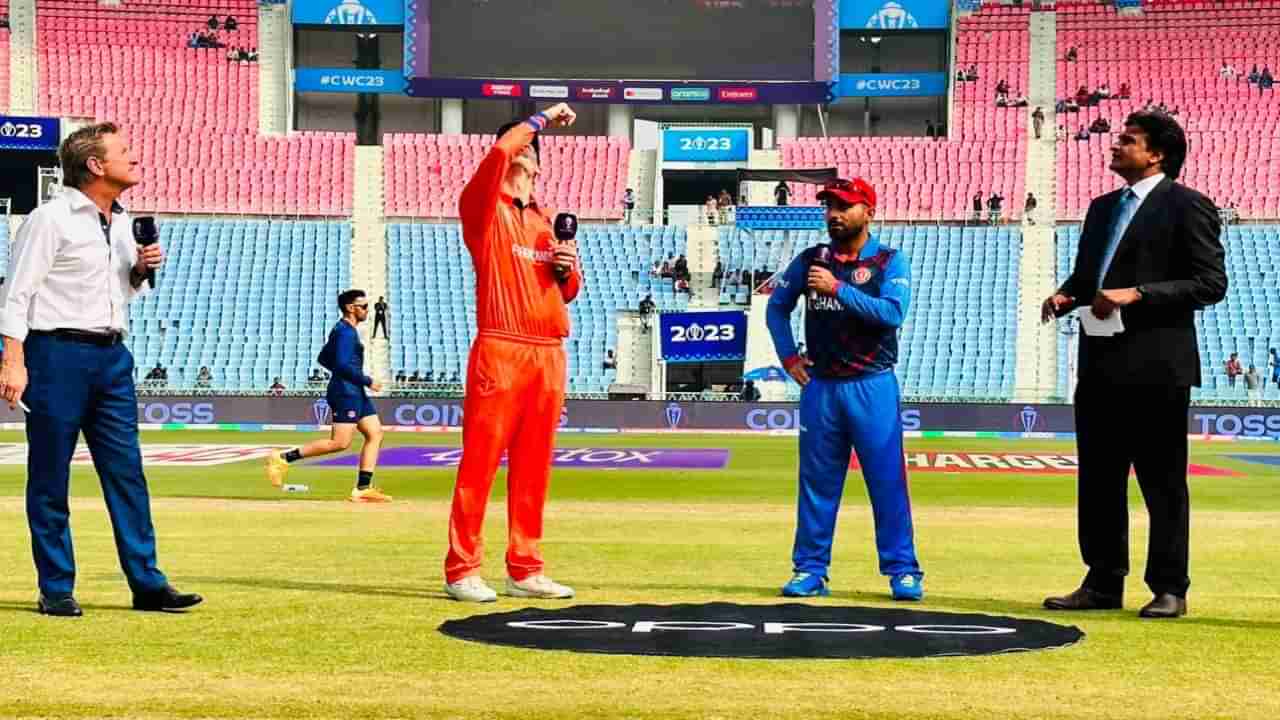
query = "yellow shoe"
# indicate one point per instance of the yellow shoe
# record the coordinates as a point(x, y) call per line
point(277, 469)
point(368, 495)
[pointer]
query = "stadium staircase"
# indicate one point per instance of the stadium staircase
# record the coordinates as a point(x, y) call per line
point(702, 254)
point(22, 57)
point(634, 353)
point(273, 69)
point(761, 193)
point(369, 253)
point(641, 174)
point(1037, 361)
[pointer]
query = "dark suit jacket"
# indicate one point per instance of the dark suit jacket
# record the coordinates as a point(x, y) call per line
point(1173, 252)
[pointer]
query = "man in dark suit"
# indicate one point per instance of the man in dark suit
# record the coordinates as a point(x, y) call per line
point(1150, 251)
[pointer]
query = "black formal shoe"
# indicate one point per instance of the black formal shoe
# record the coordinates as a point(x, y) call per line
point(60, 607)
point(166, 598)
point(1164, 605)
point(1084, 599)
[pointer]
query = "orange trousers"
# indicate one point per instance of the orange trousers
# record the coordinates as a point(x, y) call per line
point(515, 393)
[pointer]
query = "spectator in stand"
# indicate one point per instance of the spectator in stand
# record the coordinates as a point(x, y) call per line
point(1083, 134)
point(230, 24)
point(1037, 120)
point(4, 22)
point(1082, 96)
point(430, 377)
point(1073, 54)
point(781, 193)
point(1104, 91)
point(401, 377)
point(213, 22)
point(1265, 80)
point(993, 208)
point(750, 393)
point(610, 362)
point(724, 203)
point(1029, 208)
point(193, 41)
point(277, 388)
point(668, 266)
point(717, 274)
point(253, 54)
point(1020, 101)
point(647, 308)
point(1071, 105)
point(156, 374)
point(1002, 88)
point(1233, 369)
point(1061, 134)
point(1252, 383)
point(656, 270)
point(971, 73)
point(1124, 92)
point(416, 377)
point(233, 55)
point(242, 55)
point(746, 278)
point(1227, 71)
point(977, 207)
point(1100, 126)
point(1254, 75)
point(628, 204)
point(1274, 362)
point(711, 210)
point(204, 378)
point(681, 269)
point(381, 311)
point(929, 132)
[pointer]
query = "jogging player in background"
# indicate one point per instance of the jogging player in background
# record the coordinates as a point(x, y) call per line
point(850, 399)
point(516, 370)
point(351, 408)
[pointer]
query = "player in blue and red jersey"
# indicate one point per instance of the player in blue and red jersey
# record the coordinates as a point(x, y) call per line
point(850, 401)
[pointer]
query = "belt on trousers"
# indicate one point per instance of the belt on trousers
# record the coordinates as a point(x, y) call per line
point(106, 339)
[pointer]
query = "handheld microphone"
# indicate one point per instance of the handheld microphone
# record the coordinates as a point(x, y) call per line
point(822, 259)
point(566, 227)
point(146, 233)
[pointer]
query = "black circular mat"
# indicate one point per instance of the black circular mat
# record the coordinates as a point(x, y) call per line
point(761, 631)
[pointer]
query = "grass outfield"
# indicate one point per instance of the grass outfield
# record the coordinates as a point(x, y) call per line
point(316, 608)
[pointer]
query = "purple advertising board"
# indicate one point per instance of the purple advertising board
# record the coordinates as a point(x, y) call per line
point(661, 415)
point(594, 458)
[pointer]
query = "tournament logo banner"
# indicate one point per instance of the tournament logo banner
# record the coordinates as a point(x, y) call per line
point(29, 133)
point(704, 336)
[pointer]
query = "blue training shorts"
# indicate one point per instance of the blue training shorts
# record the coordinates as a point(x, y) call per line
point(349, 409)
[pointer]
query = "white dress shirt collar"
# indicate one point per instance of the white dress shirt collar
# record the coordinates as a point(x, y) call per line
point(1143, 187)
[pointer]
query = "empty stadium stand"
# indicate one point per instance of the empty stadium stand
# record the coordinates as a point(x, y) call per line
point(250, 299)
point(1179, 48)
point(923, 179)
point(4, 58)
point(425, 174)
point(431, 288)
point(1247, 322)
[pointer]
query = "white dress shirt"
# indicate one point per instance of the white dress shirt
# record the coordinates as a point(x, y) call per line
point(1141, 190)
point(64, 272)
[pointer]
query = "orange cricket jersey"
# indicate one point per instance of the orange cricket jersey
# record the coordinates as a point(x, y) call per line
point(511, 247)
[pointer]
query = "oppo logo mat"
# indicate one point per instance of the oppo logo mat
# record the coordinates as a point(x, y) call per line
point(761, 631)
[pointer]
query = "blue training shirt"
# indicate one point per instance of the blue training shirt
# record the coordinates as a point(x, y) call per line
point(343, 355)
point(856, 332)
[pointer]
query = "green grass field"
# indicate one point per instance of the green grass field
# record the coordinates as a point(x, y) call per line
point(317, 608)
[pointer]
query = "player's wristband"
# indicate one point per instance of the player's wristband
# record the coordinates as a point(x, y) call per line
point(792, 361)
point(539, 120)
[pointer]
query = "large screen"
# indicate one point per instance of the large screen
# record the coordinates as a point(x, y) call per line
point(707, 40)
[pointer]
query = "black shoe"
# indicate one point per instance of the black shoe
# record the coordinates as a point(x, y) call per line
point(166, 598)
point(1164, 605)
point(60, 607)
point(1084, 599)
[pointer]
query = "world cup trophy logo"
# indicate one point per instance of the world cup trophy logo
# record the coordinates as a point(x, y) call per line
point(322, 412)
point(675, 414)
point(1029, 418)
point(892, 16)
point(350, 12)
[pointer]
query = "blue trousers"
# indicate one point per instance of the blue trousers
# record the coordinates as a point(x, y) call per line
point(838, 417)
point(72, 388)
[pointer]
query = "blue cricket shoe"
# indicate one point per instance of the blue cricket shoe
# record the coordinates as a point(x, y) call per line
point(907, 586)
point(804, 584)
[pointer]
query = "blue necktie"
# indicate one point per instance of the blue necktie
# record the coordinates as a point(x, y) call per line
point(1120, 218)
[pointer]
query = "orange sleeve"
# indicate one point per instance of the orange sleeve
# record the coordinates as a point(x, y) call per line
point(572, 285)
point(479, 202)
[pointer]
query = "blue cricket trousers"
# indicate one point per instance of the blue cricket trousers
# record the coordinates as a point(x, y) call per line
point(837, 417)
point(74, 387)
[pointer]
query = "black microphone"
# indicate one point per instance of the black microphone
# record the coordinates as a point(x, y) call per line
point(146, 233)
point(822, 259)
point(566, 227)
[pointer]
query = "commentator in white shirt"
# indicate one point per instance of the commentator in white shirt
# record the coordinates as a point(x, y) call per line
point(73, 269)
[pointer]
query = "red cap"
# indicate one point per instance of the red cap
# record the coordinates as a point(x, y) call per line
point(852, 191)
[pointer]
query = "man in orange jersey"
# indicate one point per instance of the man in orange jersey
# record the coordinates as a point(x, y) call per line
point(516, 371)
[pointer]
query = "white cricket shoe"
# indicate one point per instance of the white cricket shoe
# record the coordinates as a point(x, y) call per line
point(538, 586)
point(471, 588)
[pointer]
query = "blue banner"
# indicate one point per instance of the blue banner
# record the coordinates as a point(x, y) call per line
point(706, 145)
point(704, 336)
point(346, 80)
point(895, 14)
point(29, 133)
point(348, 12)
point(892, 84)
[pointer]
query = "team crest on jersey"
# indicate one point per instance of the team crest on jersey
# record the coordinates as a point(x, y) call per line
point(861, 276)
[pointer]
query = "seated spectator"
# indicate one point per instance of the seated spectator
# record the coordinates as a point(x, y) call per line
point(401, 377)
point(1060, 106)
point(1021, 101)
point(454, 378)
point(1227, 71)
point(681, 269)
point(315, 376)
point(213, 22)
point(682, 285)
point(1124, 92)
point(1266, 80)
point(1002, 87)
point(242, 55)
point(971, 73)
point(1104, 91)
point(750, 393)
point(204, 378)
point(717, 274)
point(4, 22)
point(1082, 96)
point(230, 24)
point(1072, 106)
point(1061, 134)
point(233, 55)
point(430, 377)
point(656, 270)
point(1002, 100)
point(253, 55)
point(1073, 53)
point(1083, 134)
point(1100, 126)
point(416, 378)
point(668, 266)
point(193, 40)
point(711, 209)
point(277, 388)
point(1254, 75)
point(610, 362)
